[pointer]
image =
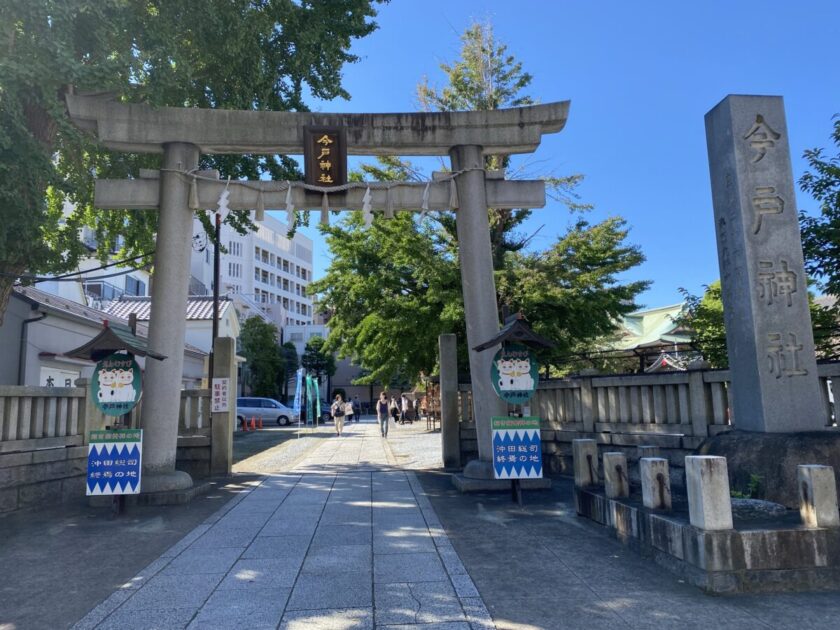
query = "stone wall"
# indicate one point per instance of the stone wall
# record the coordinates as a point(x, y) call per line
point(43, 476)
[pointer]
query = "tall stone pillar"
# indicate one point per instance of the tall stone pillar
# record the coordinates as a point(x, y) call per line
point(765, 295)
point(450, 431)
point(479, 289)
point(170, 285)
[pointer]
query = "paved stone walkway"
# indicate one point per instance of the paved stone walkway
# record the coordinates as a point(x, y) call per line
point(346, 540)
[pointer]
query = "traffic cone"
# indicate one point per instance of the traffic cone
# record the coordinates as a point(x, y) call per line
point(245, 424)
point(253, 423)
point(260, 423)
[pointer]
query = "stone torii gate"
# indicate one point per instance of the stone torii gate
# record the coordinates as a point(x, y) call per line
point(182, 134)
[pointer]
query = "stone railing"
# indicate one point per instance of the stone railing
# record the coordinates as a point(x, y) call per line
point(194, 417)
point(44, 434)
point(673, 410)
point(41, 417)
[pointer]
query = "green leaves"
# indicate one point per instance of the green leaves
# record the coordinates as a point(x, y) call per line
point(258, 342)
point(220, 53)
point(821, 235)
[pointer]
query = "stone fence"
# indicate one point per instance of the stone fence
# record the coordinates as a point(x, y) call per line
point(674, 411)
point(44, 435)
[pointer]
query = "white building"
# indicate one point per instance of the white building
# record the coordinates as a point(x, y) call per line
point(263, 267)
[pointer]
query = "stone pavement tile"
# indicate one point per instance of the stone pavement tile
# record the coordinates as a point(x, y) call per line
point(329, 535)
point(224, 538)
point(329, 560)
point(407, 567)
point(187, 540)
point(402, 540)
point(256, 573)
point(92, 619)
point(254, 609)
point(174, 591)
point(148, 619)
point(152, 569)
point(451, 562)
point(477, 613)
point(251, 506)
point(292, 547)
point(421, 602)
point(343, 590)
point(464, 586)
point(194, 561)
point(346, 515)
point(330, 619)
point(303, 525)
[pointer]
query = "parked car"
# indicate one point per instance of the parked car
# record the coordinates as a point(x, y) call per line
point(266, 408)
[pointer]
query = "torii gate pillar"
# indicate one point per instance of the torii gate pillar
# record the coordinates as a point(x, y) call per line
point(475, 257)
point(170, 288)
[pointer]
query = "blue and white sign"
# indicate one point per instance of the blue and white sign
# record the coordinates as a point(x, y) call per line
point(114, 462)
point(517, 451)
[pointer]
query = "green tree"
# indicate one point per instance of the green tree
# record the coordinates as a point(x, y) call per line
point(317, 359)
point(394, 287)
point(704, 317)
point(258, 340)
point(220, 54)
point(571, 292)
point(290, 366)
point(821, 234)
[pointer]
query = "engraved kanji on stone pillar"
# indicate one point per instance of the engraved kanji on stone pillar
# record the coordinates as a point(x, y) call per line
point(768, 322)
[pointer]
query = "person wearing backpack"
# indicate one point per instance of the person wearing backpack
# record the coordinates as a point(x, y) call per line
point(348, 411)
point(337, 410)
point(382, 414)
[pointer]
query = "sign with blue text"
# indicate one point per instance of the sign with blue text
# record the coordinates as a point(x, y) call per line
point(517, 453)
point(116, 384)
point(514, 373)
point(114, 461)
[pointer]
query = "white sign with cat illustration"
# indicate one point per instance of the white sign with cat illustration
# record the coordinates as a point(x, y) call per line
point(515, 373)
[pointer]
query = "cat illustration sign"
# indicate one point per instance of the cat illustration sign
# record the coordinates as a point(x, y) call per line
point(116, 384)
point(515, 374)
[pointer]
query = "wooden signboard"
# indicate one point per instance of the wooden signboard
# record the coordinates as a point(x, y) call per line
point(325, 155)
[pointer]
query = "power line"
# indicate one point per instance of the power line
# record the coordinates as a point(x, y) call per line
point(74, 276)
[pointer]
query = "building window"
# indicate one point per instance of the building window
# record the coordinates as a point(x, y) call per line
point(133, 286)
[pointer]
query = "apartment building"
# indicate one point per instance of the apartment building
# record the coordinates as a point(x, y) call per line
point(263, 267)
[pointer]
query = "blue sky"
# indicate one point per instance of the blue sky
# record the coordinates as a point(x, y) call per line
point(640, 76)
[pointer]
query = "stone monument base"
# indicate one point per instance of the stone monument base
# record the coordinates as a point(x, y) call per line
point(167, 497)
point(766, 462)
point(468, 484)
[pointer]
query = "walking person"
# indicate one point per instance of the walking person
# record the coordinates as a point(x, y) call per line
point(357, 408)
point(405, 409)
point(337, 410)
point(382, 414)
point(394, 409)
point(348, 411)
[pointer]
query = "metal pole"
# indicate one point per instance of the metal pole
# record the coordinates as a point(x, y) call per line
point(216, 264)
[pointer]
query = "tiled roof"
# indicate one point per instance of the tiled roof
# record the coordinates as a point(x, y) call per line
point(198, 307)
point(64, 305)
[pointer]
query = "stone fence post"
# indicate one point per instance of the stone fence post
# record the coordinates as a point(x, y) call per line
point(817, 496)
point(221, 444)
point(90, 418)
point(707, 482)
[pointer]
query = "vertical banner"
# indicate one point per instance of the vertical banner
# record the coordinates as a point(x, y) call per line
point(317, 415)
point(516, 448)
point(298, 392)
point(309, 405)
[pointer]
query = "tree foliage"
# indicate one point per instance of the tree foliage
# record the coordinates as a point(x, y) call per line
point(704, 317)
point(393, 288)
point(221, 54)
point(572, 293)
point(264, 356)
point(821, 234)
point(317, 359)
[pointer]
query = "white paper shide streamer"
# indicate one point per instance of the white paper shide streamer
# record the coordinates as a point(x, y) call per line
point(290, 207)
point(367, 215)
